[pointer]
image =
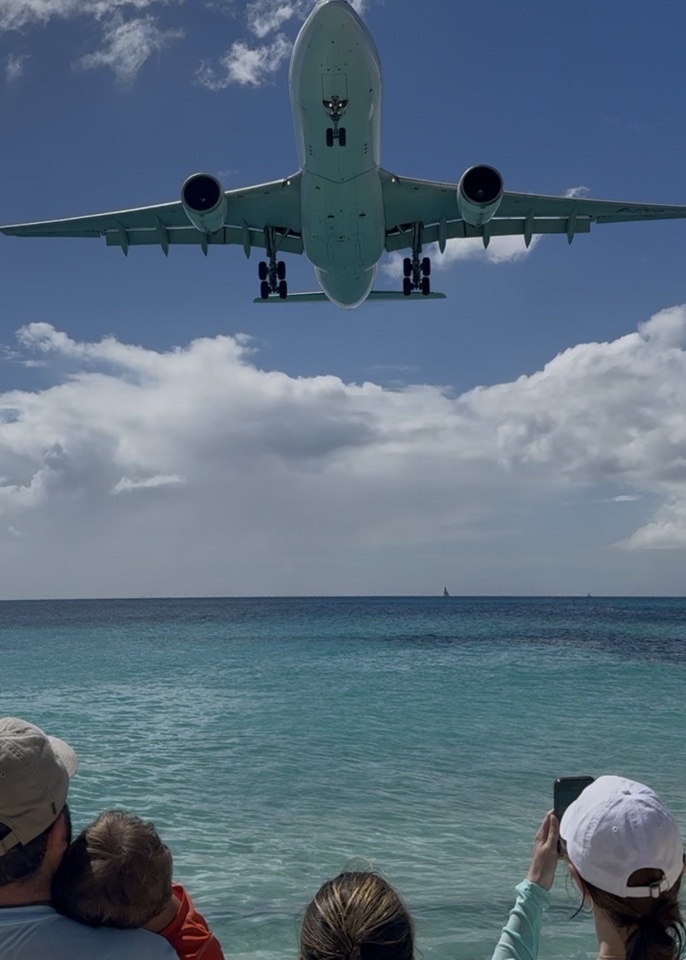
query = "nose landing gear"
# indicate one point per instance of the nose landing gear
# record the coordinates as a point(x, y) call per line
point(335, 108)
point(416, 269)
point(272, 274)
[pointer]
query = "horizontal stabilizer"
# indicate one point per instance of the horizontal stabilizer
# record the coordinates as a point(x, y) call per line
point(319, 297)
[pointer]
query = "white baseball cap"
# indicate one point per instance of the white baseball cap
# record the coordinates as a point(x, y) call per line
point(617, 826)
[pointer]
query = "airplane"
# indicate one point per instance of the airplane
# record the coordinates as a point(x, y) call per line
point(342, 209)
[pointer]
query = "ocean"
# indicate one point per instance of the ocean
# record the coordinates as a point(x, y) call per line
point(276, 742)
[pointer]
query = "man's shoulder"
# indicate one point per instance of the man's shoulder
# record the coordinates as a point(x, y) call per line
point(39, 933)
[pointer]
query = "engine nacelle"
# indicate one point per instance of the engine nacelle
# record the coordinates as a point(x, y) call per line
point(479, 193)
point(204, 201)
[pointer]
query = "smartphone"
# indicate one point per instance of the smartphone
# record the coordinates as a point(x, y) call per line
point(566, 790)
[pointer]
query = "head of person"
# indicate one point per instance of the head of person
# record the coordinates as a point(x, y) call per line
point(35, 828)
point(116, 873)
point(625, 851)
point(357, 916)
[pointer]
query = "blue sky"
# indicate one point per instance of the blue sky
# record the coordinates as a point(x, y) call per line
point(163, 435)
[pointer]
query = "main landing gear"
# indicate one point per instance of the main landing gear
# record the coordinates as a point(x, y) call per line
point(416, 269)
point(336, 133)
point(335, 107)
point(272, 274)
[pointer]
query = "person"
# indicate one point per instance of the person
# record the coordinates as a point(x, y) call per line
point(624, 851)
point(357, 916)
point(35, 831)
point(118, 873)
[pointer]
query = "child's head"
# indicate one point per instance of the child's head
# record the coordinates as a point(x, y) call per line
point(117, 873)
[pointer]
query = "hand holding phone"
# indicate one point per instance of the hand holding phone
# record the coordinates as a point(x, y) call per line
point(545, 853)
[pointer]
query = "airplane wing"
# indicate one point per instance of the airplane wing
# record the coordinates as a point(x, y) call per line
point(249, 211)
point(408, 201)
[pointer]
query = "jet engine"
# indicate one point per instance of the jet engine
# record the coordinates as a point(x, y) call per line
point(479, 193)
point(204, 201)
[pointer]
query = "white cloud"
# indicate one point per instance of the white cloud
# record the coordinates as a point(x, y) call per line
point(267, 16)
point(499, 250)
point(128, 44)
point(666, 531)
point(14, 67)
point(245, 65)
point(624, 498)
point(255, 64)
point(148, 483)
point(17, 14)
point(234, 479)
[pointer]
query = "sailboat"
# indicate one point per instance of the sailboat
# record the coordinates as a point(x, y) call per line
point(445, 592)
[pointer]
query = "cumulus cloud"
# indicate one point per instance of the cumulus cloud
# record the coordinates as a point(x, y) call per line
point(14, 67)
point(193, 470)
point(268, 16)
point(17, 14)
point(245, 65)
point(666, 531)
point(499, 250)
point(254, 64)
point(128, 44)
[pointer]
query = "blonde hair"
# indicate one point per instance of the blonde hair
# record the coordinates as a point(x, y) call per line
point(357, 916)
point(117, 873)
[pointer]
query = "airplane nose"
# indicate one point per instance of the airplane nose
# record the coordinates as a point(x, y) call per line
point(331, 9)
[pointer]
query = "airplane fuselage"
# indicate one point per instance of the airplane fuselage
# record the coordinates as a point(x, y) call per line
point(336, 88)
point(342, 209)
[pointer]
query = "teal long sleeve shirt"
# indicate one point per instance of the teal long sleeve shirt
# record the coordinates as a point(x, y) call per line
point(522, 933)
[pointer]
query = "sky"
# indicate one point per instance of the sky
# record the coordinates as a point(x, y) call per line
point(162, 435)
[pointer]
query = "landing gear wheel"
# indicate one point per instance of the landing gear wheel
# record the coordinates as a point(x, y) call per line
point(426, 286)
point(283, 289)
point(329, 136)
point(262, 270)
point(426, 266)
point(407, 287)
point(281, 270)
point(264, 290)
point(407, 267)
point(341, 136)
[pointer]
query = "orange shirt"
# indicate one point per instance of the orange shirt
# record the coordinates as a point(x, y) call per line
point(188, 932)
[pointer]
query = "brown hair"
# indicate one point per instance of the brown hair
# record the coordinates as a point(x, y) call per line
point(653, 927)
point(117, 873)
point(357, 916)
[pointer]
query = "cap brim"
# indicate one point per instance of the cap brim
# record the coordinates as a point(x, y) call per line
point(65, 754)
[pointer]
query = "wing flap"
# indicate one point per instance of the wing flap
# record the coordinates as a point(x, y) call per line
point(285, 242)
point(401, 239)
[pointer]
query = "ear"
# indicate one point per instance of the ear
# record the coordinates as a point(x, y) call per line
point(58, 839)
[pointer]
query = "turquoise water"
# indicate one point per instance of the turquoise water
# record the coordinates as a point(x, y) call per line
point(275, 742)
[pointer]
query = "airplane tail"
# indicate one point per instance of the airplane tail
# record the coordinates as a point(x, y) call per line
point(320, 297)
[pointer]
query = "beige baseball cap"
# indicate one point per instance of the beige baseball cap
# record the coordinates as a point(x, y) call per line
point(34, 780)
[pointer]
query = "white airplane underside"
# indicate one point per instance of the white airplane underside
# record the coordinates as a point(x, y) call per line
point(342, 210)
